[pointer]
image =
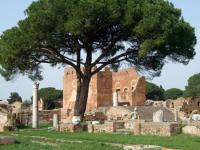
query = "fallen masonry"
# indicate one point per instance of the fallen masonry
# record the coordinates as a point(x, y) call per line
point(138, 121)
point(7, 140)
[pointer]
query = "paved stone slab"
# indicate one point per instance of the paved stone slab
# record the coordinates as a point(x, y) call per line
point(142, 147)
point(7, 140)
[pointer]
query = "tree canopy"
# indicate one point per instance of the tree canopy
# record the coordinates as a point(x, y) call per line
point(154, 92)
point(49, 95)
point(88, 33)
point(173, 93)
point(193, 87)
point(56, 30)
point(14, 96)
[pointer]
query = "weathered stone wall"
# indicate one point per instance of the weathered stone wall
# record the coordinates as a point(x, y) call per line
point(5, 120)
point(69, 127)
point(118, 113)
point(97, 116)
point(186, 105)
point(129, 86)
point(107, 127)
point(160, 129)
point(104, 88)
point(138, 95)
point(69, 88)
point(44, 116)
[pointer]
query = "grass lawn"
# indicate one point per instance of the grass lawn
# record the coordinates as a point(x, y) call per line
point(43, 139)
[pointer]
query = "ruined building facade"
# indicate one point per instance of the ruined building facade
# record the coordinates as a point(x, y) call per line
point(107, 88)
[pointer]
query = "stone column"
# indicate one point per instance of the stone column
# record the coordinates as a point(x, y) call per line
point(115, 101)
point(175, 115)
point(55, 120)
point(35, 105)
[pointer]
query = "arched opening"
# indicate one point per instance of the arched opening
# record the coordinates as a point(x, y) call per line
point(125, 94)
point(172, 105)
point(118, 94)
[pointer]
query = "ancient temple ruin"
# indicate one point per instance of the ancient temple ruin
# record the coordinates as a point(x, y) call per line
point(123, 88)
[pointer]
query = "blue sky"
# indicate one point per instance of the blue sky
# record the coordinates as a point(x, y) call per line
point(173, 74)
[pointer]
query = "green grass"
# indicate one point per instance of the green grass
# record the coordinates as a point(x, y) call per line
point(95, 141)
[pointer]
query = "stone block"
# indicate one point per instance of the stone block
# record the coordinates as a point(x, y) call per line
point(137, 128)
point(119, 124)
point(142, 147)
point(95, 122)
point(129, 124)
point(107, 127)
point(191, 130)
point(90, 128)
point(70, 127)
point(7, 140)
point(160, 129)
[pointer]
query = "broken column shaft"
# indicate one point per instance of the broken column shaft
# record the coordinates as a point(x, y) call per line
point(35, 105)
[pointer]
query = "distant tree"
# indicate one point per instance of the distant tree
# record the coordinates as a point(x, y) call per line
point(173, 93)
point(89, 33)
point(27, 103)
point(14, 96)
point(193, 87)
point(154, 92)
point(49, 95)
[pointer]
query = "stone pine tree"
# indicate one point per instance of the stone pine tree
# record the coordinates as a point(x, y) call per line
point(154, 92)
point(14, 96)
point(50, 95)
point(193, 87)
point(173, 93)
point(89, 33)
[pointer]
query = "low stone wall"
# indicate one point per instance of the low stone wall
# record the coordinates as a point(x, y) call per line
point(138, 127)
point(45, 116)
point(130, 124)
point(100, 116)
point(160, 129)
point(69, 127)
point(107, 127)
point(194, 130)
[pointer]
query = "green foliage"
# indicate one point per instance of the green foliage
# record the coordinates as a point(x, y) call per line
point(14, 96)
point(55, 30)
point(154, 92)
point(49, 95)
point(173, 93)
point(193, 87)
point(27, 103)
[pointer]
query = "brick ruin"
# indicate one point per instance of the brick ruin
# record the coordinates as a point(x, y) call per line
point(6, 122)
point(125, 87)
point(111, 107)
point(186, 105)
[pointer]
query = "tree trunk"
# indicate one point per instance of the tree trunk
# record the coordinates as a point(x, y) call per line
point(82, 96)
